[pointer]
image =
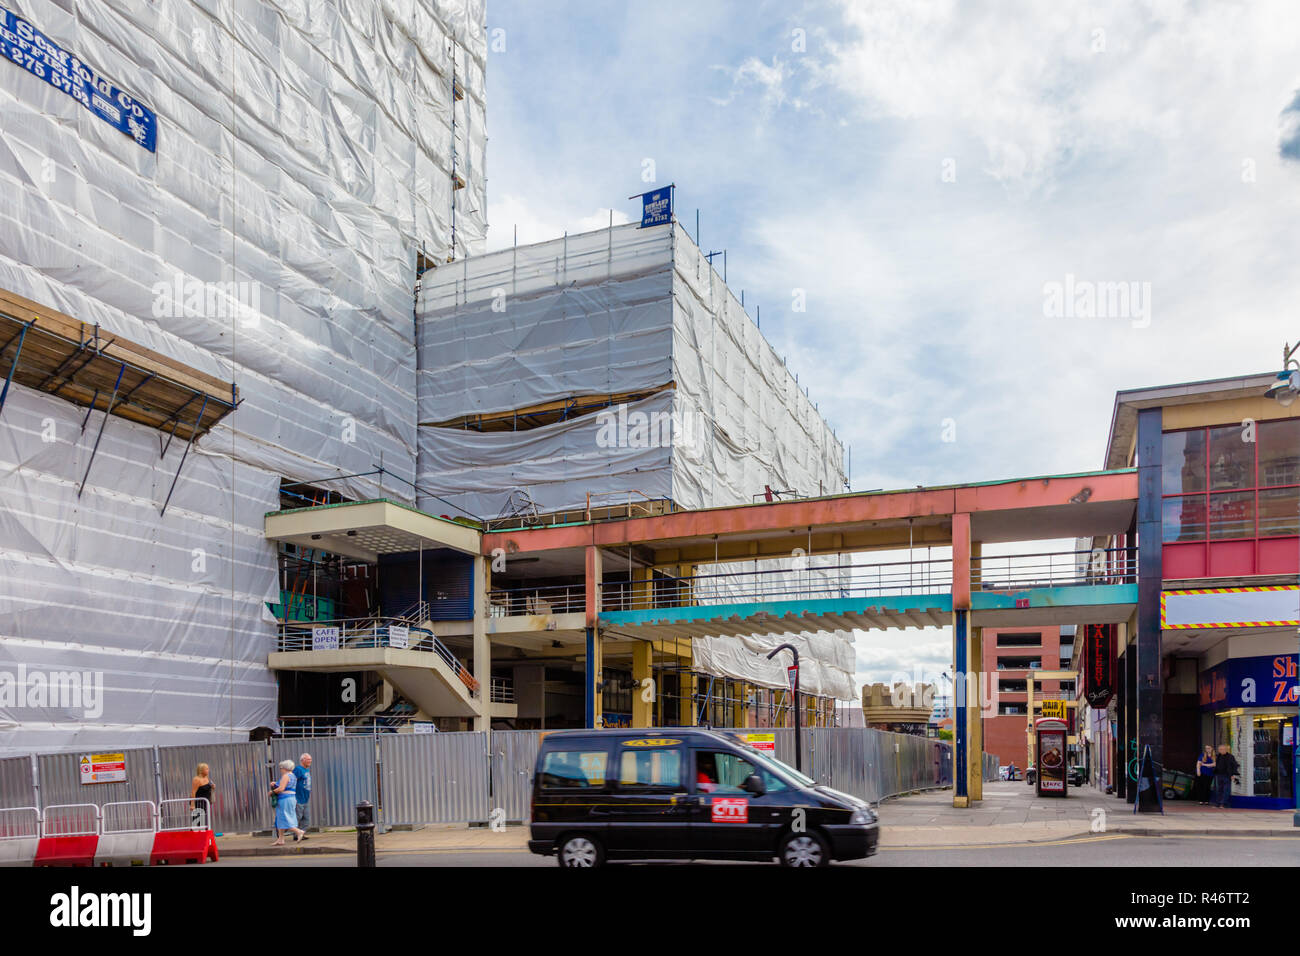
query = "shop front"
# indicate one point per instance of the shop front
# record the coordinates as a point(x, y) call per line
point(1249, 703)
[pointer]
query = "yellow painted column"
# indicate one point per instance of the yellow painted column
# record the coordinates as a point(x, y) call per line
point(645, 692)
point(975, 711)
point(1029, 719)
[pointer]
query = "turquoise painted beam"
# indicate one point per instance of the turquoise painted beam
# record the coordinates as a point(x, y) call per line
point(1077, 595)
point(900, 603)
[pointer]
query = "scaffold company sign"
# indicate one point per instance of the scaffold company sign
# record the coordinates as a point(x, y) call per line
point(22, 44)
point(1099, 664)
point(103, 768)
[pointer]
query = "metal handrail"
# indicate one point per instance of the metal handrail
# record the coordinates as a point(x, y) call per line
point(200, 803)
point(95, 816)
point(153, 816)
point(328, 725)
point(6, 828)
point(550, 599)
point(373, 632)
point(810, 582)
point(502, 690)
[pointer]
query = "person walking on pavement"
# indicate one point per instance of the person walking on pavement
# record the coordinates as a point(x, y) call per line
point(1204, 776)
point(286, 804)
point(201, 788)
point(302, 773)
point(1225, 769)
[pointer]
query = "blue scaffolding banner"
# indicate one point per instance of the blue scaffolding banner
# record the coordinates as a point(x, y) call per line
point(40, 56)
point(657, 207)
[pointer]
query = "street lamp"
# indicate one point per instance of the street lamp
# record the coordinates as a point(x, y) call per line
point(1284, 390)
point(798, 746)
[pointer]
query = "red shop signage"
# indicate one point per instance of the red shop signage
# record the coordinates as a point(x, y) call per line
point(1099, 664)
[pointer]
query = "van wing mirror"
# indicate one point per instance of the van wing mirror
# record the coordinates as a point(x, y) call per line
point(754, 784)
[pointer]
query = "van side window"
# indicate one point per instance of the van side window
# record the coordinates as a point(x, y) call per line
point(658, 769)
point(717, 771)
point(574, 769)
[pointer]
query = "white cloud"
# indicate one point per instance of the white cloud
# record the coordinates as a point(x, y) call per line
point(538, 220)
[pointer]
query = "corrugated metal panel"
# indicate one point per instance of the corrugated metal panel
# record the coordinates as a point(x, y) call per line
point(448, 583)
point(240, 775)
point(16, 788)
point(60, 779)
point(514, 755)
point(342, 775)
point(435, 778)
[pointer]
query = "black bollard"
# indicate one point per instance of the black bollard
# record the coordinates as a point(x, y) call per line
point(365, 833)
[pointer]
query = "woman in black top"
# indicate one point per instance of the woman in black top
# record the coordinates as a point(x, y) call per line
point(201, 788)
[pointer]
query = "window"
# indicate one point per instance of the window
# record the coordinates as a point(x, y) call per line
point(574, 769)
point(1020, 640)
point(1231, 482)
point(658, 769)
point(721, 772)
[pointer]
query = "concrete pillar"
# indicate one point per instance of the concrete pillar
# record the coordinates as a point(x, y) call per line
point(966, 714)
point(593, 661)
point(482, 645)
point(643, 695)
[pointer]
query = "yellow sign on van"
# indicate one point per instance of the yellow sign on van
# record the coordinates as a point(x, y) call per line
point(652, 742)
point(1054, 708)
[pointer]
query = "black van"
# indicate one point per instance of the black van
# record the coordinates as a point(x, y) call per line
point(686, 793)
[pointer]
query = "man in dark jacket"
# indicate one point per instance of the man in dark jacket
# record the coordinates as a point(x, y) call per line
point(1225, 769)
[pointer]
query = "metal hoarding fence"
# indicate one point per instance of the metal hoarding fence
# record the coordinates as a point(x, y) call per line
point(16, 784)
point(60, 778)
point(343, 773)
point(434, 778)
point(514, 755)
point(240, 775)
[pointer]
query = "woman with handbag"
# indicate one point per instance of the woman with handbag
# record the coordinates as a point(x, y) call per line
point(284, 797)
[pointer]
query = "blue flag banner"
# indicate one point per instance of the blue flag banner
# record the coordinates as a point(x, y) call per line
point(23, 44)
point(657, 207)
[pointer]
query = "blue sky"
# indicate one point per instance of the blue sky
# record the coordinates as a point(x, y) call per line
point(924, 171)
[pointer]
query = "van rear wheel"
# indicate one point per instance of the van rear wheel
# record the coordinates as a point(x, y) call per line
point(804, 849)
point(580, 851)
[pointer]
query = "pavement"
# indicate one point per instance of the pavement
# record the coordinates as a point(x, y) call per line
point(1009, 815)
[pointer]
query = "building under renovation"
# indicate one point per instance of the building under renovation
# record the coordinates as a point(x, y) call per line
point(218, 223)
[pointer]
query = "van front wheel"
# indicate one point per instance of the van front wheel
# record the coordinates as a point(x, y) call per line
point(579, 850)
point(804, 849)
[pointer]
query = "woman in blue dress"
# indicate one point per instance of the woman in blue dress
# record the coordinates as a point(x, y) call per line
point(286, 804)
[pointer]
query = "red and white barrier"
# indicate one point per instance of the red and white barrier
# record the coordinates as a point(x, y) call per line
point(121, 834)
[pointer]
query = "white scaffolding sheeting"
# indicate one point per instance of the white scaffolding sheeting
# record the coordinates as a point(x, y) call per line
point(604, 313)
point(826, 661)
point(168, 611)
point(304, 150)
point(305, 156)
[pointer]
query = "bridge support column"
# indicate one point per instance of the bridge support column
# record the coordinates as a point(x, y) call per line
point(482, 645)
point(593, 663)
point(960, 711)
point(1148, 688)
point(966, 731)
